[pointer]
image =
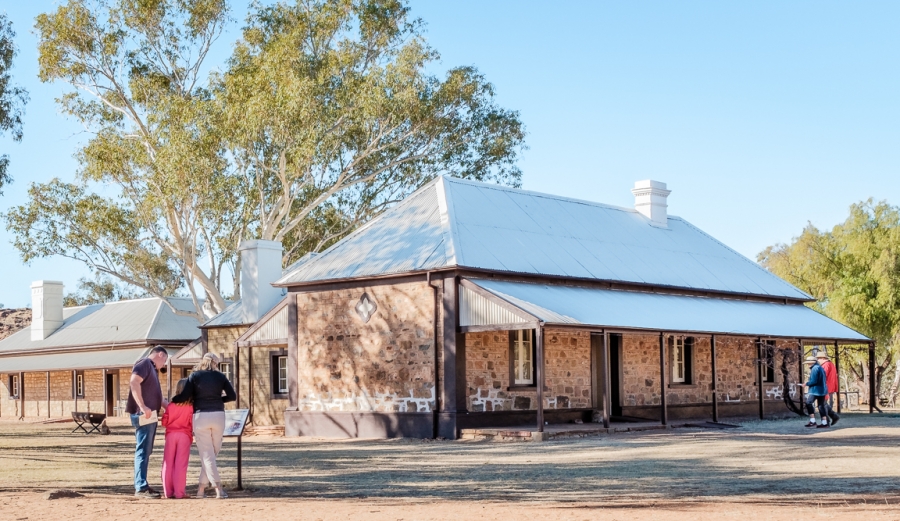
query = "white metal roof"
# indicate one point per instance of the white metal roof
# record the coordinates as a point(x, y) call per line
point(455, 223)
point(557, 304)
point(113, 323)
point(93, 359)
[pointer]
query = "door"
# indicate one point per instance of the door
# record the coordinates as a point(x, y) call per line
point(112, 391)
point(615, 369)
point(614, 373)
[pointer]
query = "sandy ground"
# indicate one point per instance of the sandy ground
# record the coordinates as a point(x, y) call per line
point(767, 470)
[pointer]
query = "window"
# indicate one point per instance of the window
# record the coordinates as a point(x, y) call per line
point(681, 357)
point(225, 368)
point(279, 374)
point(79, 384)
point(521, 345)
point(13, 386)
point(768, 359)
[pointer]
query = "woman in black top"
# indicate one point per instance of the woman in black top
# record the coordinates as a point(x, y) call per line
point(210, 390)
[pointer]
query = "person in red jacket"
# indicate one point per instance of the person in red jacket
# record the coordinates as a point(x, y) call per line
point(831, 380)
point(178, 421)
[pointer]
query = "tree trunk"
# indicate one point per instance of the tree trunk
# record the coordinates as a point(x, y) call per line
point(892, 394)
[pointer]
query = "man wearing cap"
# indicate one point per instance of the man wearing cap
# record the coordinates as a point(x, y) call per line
point(145, 399)
point(816, 391)
point(831, 384)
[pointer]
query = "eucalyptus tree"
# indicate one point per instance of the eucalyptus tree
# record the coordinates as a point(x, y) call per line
point(325, 113)
point(853, 272)
point(12, 98)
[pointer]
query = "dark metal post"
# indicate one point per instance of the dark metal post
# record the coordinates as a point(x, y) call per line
point(22, 394)
point(837, 371)
point(871, 378)
point(664, 413)
point(539, 376)
point(715, 380)
point(759, 378)
point(169, 377)
point(293, 355)
point(237, 378)
point(106, 410)
point(239, 461)
point(800, 378)
point(607, 386)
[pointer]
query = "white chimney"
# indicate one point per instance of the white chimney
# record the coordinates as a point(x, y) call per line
point(260, 267)
point(46, 308)
point(650, 200)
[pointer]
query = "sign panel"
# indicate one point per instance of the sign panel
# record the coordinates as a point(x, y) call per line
point(235, 420)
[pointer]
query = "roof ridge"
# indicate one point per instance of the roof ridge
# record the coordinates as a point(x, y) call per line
point(544, 195)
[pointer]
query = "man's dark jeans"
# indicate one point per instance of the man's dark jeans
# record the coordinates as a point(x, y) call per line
point(820, 404)
point(144, 435)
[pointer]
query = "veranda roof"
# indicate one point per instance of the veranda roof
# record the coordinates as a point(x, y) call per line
point(94, 359)
point(493, 304)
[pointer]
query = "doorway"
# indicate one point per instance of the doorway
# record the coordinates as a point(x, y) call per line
point(615, 372)
point(112, 393)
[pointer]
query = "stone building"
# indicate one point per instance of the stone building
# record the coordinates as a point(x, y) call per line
point(257, 370)
point(473, 305)
point(80, 358)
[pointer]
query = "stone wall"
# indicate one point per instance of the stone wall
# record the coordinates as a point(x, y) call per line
point(567, 366)
point(735, 366)
point(266, 409)
point(62, 400)
point(383, 365)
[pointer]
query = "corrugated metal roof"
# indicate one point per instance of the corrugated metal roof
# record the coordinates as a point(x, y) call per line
point(113, 323)
point(233, 315)
point(451, 222)
point(669, 313)
point(93, 359)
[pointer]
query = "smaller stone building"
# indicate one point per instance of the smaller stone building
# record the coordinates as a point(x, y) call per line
point(80, 358)
point(472, 305)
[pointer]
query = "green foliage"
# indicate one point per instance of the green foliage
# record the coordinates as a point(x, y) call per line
point(853, 272)
point(12, 98)
point(100, 290)
point(324, 115)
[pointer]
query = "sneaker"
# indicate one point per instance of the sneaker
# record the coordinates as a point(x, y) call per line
point(835, 420)
point(822, 426)
point(810, 424)
point(147, 493)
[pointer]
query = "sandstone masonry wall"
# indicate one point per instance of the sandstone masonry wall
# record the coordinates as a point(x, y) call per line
point(567, 366)
point(383, 365)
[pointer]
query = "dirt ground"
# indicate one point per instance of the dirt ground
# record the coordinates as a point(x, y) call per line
point(766, 470)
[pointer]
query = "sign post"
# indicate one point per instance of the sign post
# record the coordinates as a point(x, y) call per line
point(235, 421)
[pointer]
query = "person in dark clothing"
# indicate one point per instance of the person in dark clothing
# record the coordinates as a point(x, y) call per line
point(817, 389)
point(210, 390)
point(144, 400)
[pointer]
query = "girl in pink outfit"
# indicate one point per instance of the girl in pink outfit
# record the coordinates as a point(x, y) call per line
point(179, 428)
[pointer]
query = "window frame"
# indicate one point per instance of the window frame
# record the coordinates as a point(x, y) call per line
point(513, 338)
point(275, 389)
point(15, 386)
point(687, 363)
point(230, 364)
point(78, 382)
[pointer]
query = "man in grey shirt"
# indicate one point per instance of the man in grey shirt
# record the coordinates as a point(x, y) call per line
point(144, 398)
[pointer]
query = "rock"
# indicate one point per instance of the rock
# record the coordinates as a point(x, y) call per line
point(57, 494)
point(104, 429)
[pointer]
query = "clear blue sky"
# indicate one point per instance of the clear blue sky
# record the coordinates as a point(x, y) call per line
point(760, 116)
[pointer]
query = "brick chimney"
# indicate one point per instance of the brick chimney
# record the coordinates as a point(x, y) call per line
point(46, 308)
point(260, 267)
point(650, 200)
